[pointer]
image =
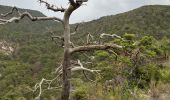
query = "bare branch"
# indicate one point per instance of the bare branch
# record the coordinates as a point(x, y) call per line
point(80, 1)
point(62, 40)
point(39, 85)
point(76, 29)
point(58, 37)
point(87, 77)
point(110, 35)
point(58, 70)
point(80, 67)
point(94, 47)
point(112, 52)
point(89, 38)
point(23, 15)
point(84, 73)
point(11, 12)
point(53, 37)
point(72, 44)
point(26, 14)
point(52, 7)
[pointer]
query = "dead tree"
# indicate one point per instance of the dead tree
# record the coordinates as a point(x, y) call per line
point(66, 66)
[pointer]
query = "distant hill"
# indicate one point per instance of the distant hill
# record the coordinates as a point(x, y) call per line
point(147, 20)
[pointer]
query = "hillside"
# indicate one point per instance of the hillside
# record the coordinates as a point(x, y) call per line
point(34, 53)
point(28, 54)
point(147, 20)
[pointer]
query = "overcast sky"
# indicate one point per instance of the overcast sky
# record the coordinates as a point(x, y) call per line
point(92, 10)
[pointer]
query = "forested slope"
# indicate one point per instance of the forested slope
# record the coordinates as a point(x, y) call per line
point(147, 20)
point(35, 56)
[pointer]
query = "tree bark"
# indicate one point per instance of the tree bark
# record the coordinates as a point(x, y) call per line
point(66, 76)
point(66, 62)
point(67, 55)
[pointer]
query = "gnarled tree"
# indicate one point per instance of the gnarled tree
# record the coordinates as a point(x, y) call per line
point(69, 49)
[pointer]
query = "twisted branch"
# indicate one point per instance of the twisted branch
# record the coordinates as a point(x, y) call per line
point(52, 7)
point(26, 14)
point(23, 15)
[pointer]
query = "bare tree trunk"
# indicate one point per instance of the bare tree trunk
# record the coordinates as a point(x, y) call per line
point(67, 57)
point(66, 76)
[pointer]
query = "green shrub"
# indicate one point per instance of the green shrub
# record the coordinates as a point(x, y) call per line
point(129, 37)
point(80, 93)
point(146, 41)
point(165, 75)
point(147, 73)
point(101, 55)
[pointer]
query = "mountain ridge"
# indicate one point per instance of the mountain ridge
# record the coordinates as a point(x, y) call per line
point(138, 21)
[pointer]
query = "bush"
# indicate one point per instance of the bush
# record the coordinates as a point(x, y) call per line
point(80, 93)
point(148, 73)
point(146, 41)
point(101, 55)
point(129, 36)
point(165, 75)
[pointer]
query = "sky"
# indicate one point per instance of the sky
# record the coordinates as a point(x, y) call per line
point(93, 9)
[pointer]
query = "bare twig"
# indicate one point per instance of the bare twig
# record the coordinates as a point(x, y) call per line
point(39, 85)
point(53, 37)
point(81, 67)
point(110, 35)
point(52, 7)
point(112, 52)
point(87, 77)
point(89, 38)
point(75, 29)
point(80, 1)
point(58, 37)
point(59, 70)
